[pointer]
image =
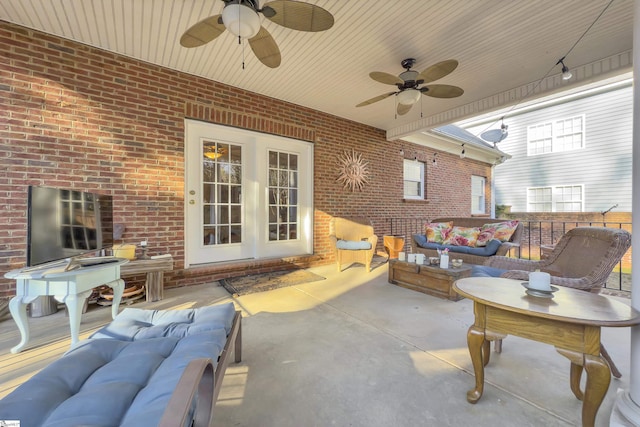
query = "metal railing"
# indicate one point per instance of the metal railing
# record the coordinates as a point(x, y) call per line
point(538, 238)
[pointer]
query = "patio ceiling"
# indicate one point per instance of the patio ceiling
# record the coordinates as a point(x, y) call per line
point(504, 49)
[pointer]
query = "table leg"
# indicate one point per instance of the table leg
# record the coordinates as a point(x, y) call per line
point(574, 378)
point(598, 379)
point(118, 289)
point(575, 373)
point(475, 341)
point(74, 304)
point(18, 309)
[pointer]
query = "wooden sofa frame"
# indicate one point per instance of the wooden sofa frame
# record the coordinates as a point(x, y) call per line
point(200, 381)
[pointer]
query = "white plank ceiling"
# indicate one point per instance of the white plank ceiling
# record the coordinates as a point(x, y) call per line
point(504, 48)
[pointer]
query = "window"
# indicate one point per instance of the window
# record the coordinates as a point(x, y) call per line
point(566, 198)
point(413, 179)
point(554, 137)
point(477, 194)
point(283, 196)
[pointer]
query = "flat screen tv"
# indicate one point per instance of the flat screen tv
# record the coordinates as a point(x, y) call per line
point(63, 224)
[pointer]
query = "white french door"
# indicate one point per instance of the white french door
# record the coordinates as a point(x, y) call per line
point(247, 195)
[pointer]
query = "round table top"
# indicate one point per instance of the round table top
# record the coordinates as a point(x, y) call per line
point(568, 304)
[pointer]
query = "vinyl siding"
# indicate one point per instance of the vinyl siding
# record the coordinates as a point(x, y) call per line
point(603, 166)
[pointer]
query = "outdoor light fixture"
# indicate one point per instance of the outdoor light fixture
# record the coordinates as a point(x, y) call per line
point(402, 152)
point(409, 96)
point(566, 74)
point(241, 20)
point(462, 153)
point(435, 160)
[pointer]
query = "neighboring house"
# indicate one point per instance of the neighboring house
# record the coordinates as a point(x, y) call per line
point(570, 154)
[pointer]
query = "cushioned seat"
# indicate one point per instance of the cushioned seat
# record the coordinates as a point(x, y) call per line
point(124, 374)
point(353, 240)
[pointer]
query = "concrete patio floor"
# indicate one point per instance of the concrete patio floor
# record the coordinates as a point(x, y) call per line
point(354, 350)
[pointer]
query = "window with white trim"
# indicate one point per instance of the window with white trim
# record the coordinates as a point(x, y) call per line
point(555, 137)
point(565, 198)
point(478, 194)
point(413, 179)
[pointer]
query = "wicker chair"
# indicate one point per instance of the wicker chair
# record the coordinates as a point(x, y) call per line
point(582, 259)
point(356, 237)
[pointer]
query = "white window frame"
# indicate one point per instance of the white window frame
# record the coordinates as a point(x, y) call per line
point(413, 164)
point(550, 137)
point(556, 198)
point(478, 200)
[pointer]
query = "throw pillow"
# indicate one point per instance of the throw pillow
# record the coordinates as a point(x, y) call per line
point(486, 234)
point(462, 236)
point(503, 230)
point(437, 232)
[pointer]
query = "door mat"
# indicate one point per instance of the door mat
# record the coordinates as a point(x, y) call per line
point(267, 281)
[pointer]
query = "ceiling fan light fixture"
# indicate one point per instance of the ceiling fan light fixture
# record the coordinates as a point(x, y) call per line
point(241, 20)
point(409, 96)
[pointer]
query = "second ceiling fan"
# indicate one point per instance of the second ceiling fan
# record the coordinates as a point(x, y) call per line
point(409, 84)
point(241, 18)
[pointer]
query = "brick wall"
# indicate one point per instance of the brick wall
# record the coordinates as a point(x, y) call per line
point(73, 116)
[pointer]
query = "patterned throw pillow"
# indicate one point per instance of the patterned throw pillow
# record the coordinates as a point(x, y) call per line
point(485, 236)
point(462, 236)
point(437, 232)
point(502, 230)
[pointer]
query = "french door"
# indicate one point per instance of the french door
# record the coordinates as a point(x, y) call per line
point(247, 195)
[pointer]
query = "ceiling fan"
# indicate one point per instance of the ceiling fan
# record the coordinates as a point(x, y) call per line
point(409, 91)
point(241, 18)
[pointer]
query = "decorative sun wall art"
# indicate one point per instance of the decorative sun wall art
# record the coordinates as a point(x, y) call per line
point(353, 171)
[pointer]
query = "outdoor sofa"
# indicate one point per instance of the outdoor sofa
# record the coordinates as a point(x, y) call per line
point(145, 368)
point(459, 249)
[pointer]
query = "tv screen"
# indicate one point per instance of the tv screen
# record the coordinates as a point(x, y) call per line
point(67, 223)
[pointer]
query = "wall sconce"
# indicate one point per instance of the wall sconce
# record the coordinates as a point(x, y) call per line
point(434, 161)
point(402, 152)
point(462, 153)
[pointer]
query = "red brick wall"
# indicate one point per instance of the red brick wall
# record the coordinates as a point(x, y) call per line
point(74, 116)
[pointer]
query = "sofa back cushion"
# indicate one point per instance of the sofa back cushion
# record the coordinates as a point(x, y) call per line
point(501, 230)
point(462, 236)
point(437, 232)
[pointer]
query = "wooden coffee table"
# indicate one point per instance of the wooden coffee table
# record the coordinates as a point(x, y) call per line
point(427, 279)
point(571, 322)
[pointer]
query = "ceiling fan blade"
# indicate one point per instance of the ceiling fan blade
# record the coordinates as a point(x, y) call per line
point(298, 15)
point(442, 91)
point(386, 78)
point(375, 99)
point(438, 71)
point(265, 48)
point(203, 32)
point(403, 109)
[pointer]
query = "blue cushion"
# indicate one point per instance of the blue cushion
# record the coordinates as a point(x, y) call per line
point(486, 271)
point(353, 245)
point(121, 382)
point(491, 248)
point(135, 323)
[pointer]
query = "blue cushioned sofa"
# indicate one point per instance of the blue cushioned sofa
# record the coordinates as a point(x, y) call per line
point(145, 368)
point(469, 255)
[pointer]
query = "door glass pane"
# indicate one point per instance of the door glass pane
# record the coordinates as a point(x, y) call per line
point(208, 194)
point(222, 193)
point(283, 196)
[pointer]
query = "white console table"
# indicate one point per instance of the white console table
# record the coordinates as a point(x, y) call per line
point(71, 287)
